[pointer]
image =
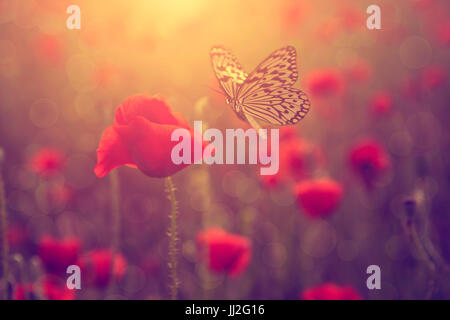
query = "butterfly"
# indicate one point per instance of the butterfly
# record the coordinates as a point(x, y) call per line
point(264, 97)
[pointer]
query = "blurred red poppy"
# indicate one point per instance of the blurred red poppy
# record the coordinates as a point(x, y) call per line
point(17, 236)
point(48, 49)
point(47, 162)
point(224, 252)
point(60, 194)
point(293, 13)
point(369, 161)
point(21, 291)
point(443, 32)
point(54, 288)
point(300, 157)
point(96, 267)
point(359, 71)
point(47, 287)
point(141, 138)
point(287, 133)
point(352, 18)
point(381, 103)
point(433, 77)
point(106, 75)
point(330, 291)
point(324, 83)
point(57, 254)
point(318, 197)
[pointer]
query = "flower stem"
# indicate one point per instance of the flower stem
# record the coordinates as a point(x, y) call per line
point(116, 224)
point(4, 252)
point(173, 239)
point(426, 251)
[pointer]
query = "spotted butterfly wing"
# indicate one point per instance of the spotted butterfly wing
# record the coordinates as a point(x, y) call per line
point(267, 94)
point(228, 70)
point(276, 106)
point(278, 70)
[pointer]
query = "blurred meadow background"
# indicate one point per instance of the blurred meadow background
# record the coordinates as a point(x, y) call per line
point(364, 178)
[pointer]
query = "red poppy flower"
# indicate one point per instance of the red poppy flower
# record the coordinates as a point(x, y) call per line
point(287, 133)
point(352, 18)
point(47, 287)
point(271, 181)
point(141, 138)
point(48, 49)
point(368, 160)
point(16, 236)
point(443, 32)
point(56, 255)
point(96, 267)
point(293, 13)
point(105, 76)
point(47, 162)
point(318, 197)
point(433, 77)
point(300, 157)
point(54, 288)
point(324, 83)
point(381, 103)
point(224, 252)
point(21, 291)
point(359, 71)
point(60, 194)
point(330, 291)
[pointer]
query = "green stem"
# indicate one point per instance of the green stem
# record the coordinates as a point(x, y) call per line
point(116, 224)
point(173, 239)
point(4, 252)
point(423, 254)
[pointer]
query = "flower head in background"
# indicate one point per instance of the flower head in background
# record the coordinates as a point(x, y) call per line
point(330, 291)
point(223, 251)
point(324, 83)
point(369, 161)
point(352, 18)
point(47, 287)
point(318, 197)
point(141, 138)
point(47, 162)
point(57, 254)
point(96, 267)
point(433, 77)
point(49, 49)
point(17, 236)
point(381, 103)
point(299, 159)
point(443, 32)
point(54, 288)
point(293, 15)
point(359, 71)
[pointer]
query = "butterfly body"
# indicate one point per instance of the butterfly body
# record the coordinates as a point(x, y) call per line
point(264, 97)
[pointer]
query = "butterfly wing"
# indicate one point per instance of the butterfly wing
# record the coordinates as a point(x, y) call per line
point(228, 70)
point(267, 93)
point(279, 69)
point(277, 106)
